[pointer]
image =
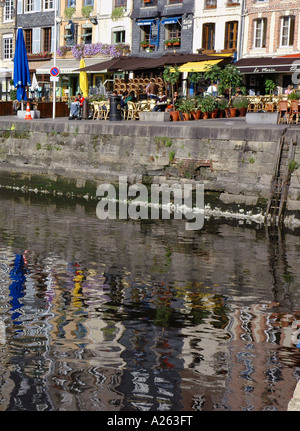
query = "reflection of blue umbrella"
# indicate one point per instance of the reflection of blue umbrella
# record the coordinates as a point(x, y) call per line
point(21, 68)
point(17, 286)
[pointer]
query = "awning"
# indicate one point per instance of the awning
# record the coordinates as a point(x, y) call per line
point(67, 66)
point(172, 20)
point(198, 66)
point(268, 65)
point(5, 72)
point(146, 22)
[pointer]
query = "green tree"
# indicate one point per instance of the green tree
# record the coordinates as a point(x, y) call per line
point(171, 75)
point(229, 77)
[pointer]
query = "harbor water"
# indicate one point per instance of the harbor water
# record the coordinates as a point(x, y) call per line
point(131, 315)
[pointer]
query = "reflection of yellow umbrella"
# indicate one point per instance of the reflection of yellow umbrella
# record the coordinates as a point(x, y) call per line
point(83, 80)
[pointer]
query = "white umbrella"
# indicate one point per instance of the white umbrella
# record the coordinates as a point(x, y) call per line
point(34, 84)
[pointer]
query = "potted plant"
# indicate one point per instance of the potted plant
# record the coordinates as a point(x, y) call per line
point(185, 106)
point(222, 105)
point(229, 78)
point(294, 96)
point(270, 86)
point(69, 12)
point(144, 44)
point(171, 75)
point(206, 104)
point(117, 13)
point(175, 41)
point(86, 11)
point(241, 104)
point(168, 42)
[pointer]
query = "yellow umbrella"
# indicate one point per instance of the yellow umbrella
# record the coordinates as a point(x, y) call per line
point(83, 80)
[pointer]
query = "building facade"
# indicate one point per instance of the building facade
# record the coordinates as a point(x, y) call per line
point(271, 44)
point(217, 26)
point(161, 26)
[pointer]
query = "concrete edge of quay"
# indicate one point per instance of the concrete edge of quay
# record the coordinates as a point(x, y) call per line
point(236, 161)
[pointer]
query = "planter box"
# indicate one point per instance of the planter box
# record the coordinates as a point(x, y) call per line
point(46, 109)
point(262, 117)
point(6, 108)
point(155, 116)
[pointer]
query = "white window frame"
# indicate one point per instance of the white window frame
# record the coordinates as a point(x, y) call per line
point(262, 36)
point(8, 11)
point(28, 6)
point(47, 4)
point(8, 37)
point(289, 42)
point(116, 30)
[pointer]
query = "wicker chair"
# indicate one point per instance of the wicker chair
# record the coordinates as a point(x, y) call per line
point(283, 109)
point(294, 111)
point(132, 111)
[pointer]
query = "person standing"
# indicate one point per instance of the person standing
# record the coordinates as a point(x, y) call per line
point(152, 89)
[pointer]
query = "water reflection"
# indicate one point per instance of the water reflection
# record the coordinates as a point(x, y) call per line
point(143, 316)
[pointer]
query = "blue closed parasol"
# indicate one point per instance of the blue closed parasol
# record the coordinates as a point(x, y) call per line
point(21, 68)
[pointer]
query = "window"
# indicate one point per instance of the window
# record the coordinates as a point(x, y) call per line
point(8, 10)
point(48, 4)
point(120, 3)
point(87, 34)
point(145, 33)
point(47, 39)
point(29, 5)
point(172, 31)
point(28, 40)
point(70, 35)
point(260, 30)
point(231, 34)
point(208, 37)
point(287, 31)
point(149, 2)
point(119, 36)
point(7, 47)
point(71, 3)
point(210, 4)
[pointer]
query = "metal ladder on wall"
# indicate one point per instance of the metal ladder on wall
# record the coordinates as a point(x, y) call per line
point(280, 182)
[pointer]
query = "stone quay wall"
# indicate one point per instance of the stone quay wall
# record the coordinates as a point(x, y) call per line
point(235, 161)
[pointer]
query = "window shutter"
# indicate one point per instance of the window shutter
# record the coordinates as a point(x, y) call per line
point(37, 6)
point(36, 40)
point(292, 29)
point(52, 39)
point(204, 36)
point(20, 6)
point(264, 30)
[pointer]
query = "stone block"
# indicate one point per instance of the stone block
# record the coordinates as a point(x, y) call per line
point(293, 205)
point(155, 116)
point(262, 117)
point(22, 114)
